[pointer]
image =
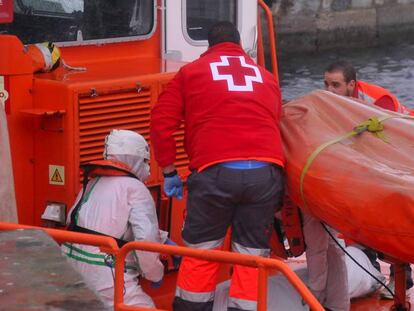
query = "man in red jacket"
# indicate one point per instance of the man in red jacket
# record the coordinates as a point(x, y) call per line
point(231, 110)
point(340, 78)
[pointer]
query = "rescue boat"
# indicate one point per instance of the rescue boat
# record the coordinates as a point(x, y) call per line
point(114, 63)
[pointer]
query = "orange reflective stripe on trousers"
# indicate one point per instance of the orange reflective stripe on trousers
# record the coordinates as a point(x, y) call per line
point(243, 288)
point(197, 280)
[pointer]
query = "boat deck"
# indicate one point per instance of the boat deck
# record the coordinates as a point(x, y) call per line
point(368, 303)
point(276, 301)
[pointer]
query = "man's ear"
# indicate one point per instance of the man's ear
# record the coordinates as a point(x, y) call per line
point(351, 87)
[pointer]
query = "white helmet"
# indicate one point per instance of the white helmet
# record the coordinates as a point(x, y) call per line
point(130, 148)
point(126, 142)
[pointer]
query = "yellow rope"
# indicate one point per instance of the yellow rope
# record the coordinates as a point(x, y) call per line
point(373, 125)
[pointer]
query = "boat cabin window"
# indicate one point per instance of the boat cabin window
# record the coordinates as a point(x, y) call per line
point(79, 20)
point(202, 14)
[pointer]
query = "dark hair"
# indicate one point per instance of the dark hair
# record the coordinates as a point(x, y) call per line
point(223, 32)
point(345, 67)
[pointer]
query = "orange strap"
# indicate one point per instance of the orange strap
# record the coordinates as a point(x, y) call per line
point(292, 224)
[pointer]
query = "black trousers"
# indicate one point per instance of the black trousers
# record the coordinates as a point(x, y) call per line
point(245, 199)
point(220, 197)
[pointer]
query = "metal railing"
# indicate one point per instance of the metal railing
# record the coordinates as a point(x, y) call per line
point(108, 245)
point(263, 264)
point(271, 37)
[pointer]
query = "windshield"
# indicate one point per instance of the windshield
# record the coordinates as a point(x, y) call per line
point(78, 20)
point(202, 14)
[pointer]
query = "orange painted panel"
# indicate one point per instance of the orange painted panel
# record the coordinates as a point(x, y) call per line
point(13, 59)
point(58, 120)
point(22, 145)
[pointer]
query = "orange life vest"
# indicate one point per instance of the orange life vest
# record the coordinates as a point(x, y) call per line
point(105, 168)
point(370, 93)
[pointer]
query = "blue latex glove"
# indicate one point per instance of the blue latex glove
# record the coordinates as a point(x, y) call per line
point(156, 284)
point(168, 241)
point(173, 186)
point(175, 258)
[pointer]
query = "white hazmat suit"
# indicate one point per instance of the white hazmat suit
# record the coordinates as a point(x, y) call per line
point(121, 207)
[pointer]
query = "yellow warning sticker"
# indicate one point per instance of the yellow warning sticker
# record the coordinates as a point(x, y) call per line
point(56, 175)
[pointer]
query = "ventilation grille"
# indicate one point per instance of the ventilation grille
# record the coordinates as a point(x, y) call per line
point(127, 110)
point(98, 115)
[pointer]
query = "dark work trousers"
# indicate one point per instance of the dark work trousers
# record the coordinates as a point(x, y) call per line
point(219, 197)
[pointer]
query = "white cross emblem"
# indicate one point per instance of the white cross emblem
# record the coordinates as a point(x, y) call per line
point(236, 71)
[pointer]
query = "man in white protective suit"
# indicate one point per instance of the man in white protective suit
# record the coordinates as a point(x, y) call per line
point(120, 207)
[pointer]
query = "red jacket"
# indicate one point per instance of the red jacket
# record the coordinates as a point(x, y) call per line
point(230, 107)
point(379, 96)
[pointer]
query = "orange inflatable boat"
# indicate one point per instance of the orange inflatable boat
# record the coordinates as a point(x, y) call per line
point(352, 166)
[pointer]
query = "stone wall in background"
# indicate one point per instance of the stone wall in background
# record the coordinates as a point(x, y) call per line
point(316, 25)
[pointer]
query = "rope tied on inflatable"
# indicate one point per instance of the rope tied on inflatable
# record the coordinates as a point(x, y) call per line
point(373, 125)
